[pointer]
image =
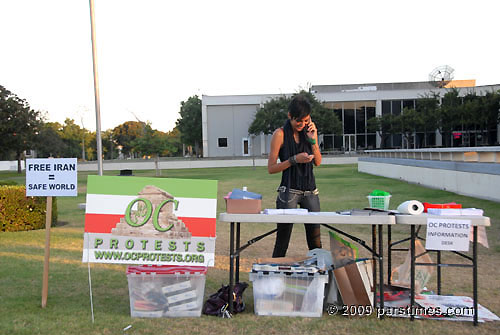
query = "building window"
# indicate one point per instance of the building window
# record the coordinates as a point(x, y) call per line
point(337, 109)
point(349, 120)
point(372, 141)
point(360, 118)
point(370, 109)
point(386, 107)
point(396, 107)
point(360, 142)
point(222, 142)
point(410, 104)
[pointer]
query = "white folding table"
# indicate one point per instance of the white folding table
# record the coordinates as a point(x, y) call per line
point(325, 220)
point(419, 220)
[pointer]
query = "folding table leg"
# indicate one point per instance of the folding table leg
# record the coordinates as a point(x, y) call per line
point(474, 273)
point(389, 254)
point(412, 271)
point(231, 265)
point(374, 269)
point(381, 266)
point(439, 272)
point(237, 280)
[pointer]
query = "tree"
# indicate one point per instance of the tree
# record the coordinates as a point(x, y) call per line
point(428, 106)
point(384, 126)
point(173, 143)
point(409, 122)
point(72, 136)
point(490, 108)
point(109, 148)
point(270, 116)
point(449, 115)
point(151, 143)
point(126, 133)
point(274, 113)
point(48, 141)
point(90, 140)
point(19, 124)
point(189, 124)
point(325, 119)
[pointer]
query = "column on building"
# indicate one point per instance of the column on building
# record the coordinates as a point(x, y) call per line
point(378, 113)
point(262, 144)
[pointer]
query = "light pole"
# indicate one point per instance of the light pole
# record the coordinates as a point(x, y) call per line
point(96, 91)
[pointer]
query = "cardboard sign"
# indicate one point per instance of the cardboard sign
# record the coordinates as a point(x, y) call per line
point(161, 221)
point(51, 177)
point(447, 234)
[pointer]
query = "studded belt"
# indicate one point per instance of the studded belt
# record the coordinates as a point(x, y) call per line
point(299, 192)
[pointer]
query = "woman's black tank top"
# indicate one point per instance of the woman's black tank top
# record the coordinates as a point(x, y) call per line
point(299, 176)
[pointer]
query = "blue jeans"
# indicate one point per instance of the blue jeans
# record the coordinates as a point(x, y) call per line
point(313, 235)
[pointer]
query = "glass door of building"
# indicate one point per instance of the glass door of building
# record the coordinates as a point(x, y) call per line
point(245, 147)
point(349, 143)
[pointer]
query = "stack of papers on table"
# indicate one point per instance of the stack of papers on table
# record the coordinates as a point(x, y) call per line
point(455, 211)
point(324, 213)
point(290, 211)
point(296, 211)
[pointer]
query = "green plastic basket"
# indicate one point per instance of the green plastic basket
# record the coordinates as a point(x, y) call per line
point(380, 202)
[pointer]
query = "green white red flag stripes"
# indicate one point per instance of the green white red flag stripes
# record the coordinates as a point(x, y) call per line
point(133, 220)
point(103, 211)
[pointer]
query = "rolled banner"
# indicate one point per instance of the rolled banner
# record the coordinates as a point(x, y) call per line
point(413, 207)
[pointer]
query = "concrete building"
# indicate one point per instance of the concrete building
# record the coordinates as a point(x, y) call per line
point(225, 122)
point(225, 119)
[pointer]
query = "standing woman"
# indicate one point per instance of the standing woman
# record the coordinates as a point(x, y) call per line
point(296, 145)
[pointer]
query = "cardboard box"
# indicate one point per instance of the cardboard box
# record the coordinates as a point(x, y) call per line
point(243, 206)
point(355, 283)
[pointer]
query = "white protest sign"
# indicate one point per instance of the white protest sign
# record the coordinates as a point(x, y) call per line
point(51, 177)
point(447, 234)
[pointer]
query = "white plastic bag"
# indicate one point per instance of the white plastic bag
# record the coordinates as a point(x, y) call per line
point(400, 275)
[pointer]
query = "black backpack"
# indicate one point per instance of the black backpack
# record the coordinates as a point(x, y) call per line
point(217, 303)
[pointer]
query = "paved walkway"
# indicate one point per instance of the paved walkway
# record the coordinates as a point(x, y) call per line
point(199, 163)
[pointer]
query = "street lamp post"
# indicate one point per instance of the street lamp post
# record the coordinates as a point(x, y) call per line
point(96, 92)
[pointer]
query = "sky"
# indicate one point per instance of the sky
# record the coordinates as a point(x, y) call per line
point(153, 54)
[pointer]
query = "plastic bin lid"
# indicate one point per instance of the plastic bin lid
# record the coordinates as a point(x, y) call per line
point(166, 269)
point(267, 267)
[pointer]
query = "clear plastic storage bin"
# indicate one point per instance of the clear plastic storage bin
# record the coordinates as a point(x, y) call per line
point(166, 291)
point(288, 293)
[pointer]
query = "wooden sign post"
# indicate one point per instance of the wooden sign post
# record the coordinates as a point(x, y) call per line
point(48, 222)
point(50, 177)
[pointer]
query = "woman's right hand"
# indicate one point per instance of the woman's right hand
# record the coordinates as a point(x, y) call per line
point(304, 157)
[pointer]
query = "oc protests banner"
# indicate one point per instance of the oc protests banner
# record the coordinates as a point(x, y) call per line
point(160, 221)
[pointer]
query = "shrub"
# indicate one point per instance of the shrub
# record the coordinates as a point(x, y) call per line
point(19, 212)
point(7, 182)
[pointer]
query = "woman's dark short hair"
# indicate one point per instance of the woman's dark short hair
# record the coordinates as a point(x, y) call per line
point(299, 107)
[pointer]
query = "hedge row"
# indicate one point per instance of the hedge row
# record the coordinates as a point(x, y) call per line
point(19, 212)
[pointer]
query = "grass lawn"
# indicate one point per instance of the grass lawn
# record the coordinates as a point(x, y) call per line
point(341, 187)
